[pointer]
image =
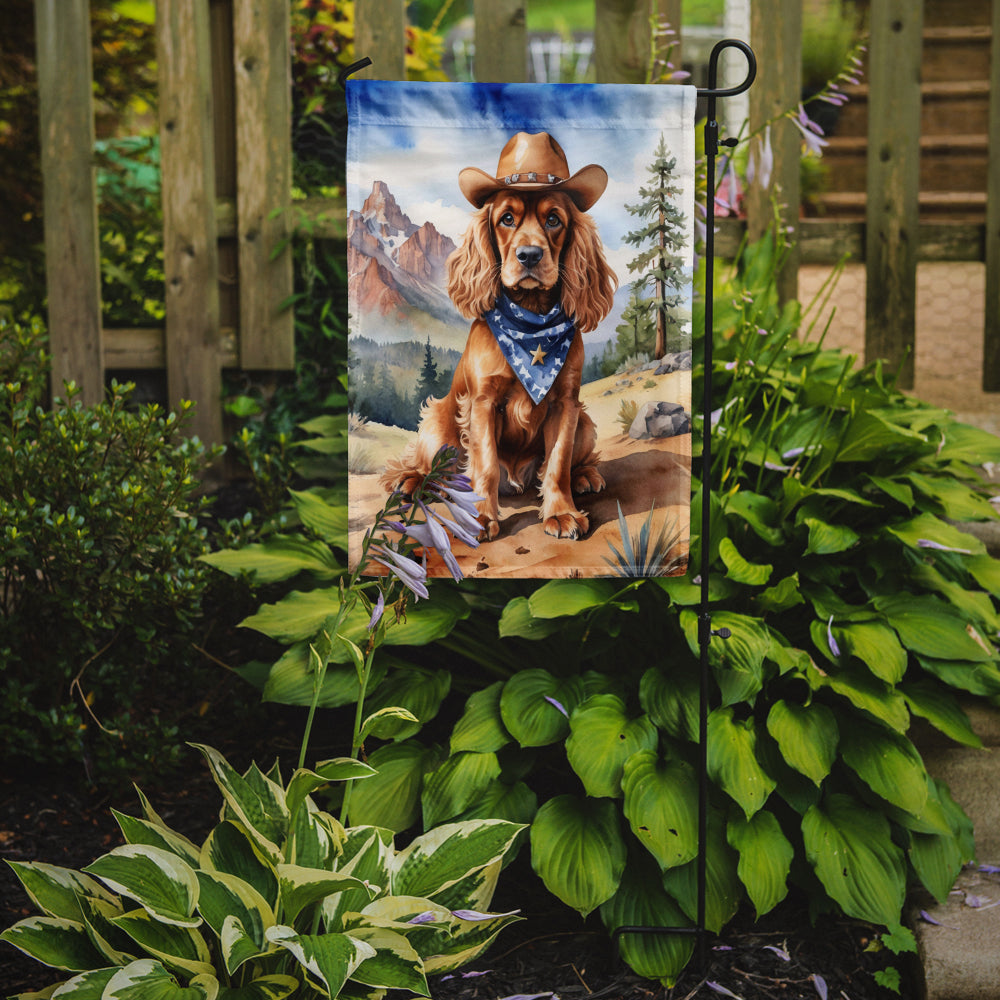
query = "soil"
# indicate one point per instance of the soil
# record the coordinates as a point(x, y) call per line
point(551, 953)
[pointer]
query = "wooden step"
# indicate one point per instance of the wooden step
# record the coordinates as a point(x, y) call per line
point(956, 53)
point(958, 206)
point(947, 163)
point(944, 12)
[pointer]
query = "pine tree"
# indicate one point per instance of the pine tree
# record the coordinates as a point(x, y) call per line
point(427, 384)
point(659, 240)
point(635, 333)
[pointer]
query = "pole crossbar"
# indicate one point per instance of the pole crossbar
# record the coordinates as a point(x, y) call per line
point(705, 630)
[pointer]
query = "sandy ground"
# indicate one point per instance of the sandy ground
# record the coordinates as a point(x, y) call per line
point(641, 476)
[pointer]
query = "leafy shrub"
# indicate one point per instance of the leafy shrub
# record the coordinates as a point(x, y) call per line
point(99, 539)
point(279, 899)
point(854, 605)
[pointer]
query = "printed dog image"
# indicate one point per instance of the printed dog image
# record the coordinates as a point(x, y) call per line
point(532, 278)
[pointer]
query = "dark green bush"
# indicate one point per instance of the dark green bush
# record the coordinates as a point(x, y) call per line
point(100, 587)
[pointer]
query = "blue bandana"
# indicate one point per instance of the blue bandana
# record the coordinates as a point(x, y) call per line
point(535, 346)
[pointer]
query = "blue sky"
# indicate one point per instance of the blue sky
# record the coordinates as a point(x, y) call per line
point(416, 137)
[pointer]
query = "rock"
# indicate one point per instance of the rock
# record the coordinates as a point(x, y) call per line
point(660, 420)
point(680, 362)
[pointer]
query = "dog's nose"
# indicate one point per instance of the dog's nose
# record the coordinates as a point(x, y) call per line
point(529, 256)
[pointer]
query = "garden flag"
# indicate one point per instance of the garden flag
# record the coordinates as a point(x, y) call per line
point(520, 260)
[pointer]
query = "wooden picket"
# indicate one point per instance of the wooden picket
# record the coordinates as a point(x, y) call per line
point(226, 161)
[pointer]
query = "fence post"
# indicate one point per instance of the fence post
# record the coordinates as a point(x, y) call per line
point(621, 40)
point(190, 251)
point(380, 34)
point(262, 62)
point(501, 38)
point(893, 183)
point(991, 331)
point(72, 255)
point(776, 34)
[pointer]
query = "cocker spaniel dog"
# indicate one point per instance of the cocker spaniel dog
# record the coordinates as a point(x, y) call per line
point(532, 277)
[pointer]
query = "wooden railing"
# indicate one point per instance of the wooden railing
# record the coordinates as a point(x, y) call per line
point(226, 161)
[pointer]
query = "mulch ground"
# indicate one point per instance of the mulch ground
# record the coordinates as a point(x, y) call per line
point(551, 953)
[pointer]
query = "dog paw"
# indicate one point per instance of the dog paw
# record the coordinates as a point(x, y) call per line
point(587, 480)
point(490, 528)
point(569, 525)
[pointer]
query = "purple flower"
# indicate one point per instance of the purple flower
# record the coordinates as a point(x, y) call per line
point(761, 164)
point(811, 132)
point(927, 543)
point(410, 573)
point(475, 915)
point(719, 988)
point(377, 612)
point(558, 705)
point(820, 983)
point(834, 648)
point(427, 917)
point(780, 952)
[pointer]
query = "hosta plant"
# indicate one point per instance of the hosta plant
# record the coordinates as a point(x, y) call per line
point(279, 900)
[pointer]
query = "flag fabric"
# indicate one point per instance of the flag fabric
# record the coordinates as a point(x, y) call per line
point(520, 259)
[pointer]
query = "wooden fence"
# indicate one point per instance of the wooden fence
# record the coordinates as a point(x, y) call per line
point(226, 160)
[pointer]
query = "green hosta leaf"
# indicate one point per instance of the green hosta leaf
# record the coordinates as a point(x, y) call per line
point(54, 941)
point(327, 520)
point(850, 848)
point(386, 723)
point(230, 849)
point(560, 598)
point(941, 709)
point(180, 948)
point(876, 646)
point(957, 501)
point(517, 620)
point(301, 887)
point(986, 572)
point(147, 979)
point(141, 831)
point(738, 569)
point(330, 959)
point(738, 661)
point(578, 851)
point(481, 728)
point(723, 889)
point(888, 763)
point(641, 901)
point(456, 784)
point(671, 700)
point(224, 898)
point(783, 595)
point(395, 964)
point(661, 799)
point(975, 605)
point(516, 803)
point(807, 736)
point(56, 891)
point(976, 678)
point(758, 511)
point(292, 680)
point(864, 691)
point(275, 987)
point(418, 691)
point(440, 858)
point(159, 881)
point(965, 443)
point(928, 528)
point(765, 858)
point(260, 809)
point(602, 738)
point(828, 539)
point(931, 628)
point(732, 760)
point(304, 782)
point(937, 860)
point(530, 706)
point(279, 558)
point(391, 798)
point(870, 436)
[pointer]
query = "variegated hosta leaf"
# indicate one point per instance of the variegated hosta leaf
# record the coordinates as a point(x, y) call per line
point(468, 939)
point(661, 805)
point(225, 897)
point(274, 987)
point(158, 880)
point(149, 980)
point(395, 964)
point(87, 986)
point(441, 857)
point(807, 736)
point(230, 849)
point(116, 946)
point(256, 801)
point(177, 947)
point(602, 737)
point(328, 959)
point(481, 727)
point(54, 941)
point(578, 851)
point(366, 855)
point(300, 887)
point(456, 784)
point(56, 891)
point(475, 891)
point(732, 760)
point(642, 902)
point(850, 847)
point(765, 858)
point(141, 831)
point(315, 838)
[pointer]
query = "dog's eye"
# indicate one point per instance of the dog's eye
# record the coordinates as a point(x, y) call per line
point(553, 221)
point(507, 219)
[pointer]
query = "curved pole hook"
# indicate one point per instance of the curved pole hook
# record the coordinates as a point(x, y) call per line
point(713, 69)
point(353, 68)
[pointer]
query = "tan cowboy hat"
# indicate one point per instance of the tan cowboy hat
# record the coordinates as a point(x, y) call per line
point(534, 162)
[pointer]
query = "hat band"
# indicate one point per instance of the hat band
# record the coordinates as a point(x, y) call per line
point(532, 178)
